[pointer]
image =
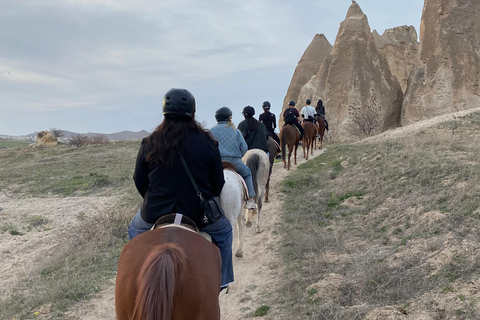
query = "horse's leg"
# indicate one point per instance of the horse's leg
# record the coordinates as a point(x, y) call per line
point(239, 253)
point(295, 154)
point(289, 156)
point(258, 214)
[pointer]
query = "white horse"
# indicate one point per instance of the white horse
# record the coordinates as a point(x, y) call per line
point(259, 164)
point(232, 200)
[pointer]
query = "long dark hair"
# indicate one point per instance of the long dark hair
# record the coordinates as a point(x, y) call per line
point(169, 139)
point(252, 123)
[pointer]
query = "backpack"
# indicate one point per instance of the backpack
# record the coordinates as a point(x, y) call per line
point(290, 115)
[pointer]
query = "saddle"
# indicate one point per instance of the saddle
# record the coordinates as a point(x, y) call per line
point(229, 166)
point(276, 144)
point(288, 124)
point(178, 220)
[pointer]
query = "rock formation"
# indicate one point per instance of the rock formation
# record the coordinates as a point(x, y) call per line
point(307, 67)
point(400, 47)
point(446, 75)
point(46, 138)
point(355, 79)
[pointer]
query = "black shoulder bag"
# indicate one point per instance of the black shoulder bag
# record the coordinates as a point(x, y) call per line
point(212, 210)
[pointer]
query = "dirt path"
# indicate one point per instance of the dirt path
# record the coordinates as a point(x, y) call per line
point(255, 273)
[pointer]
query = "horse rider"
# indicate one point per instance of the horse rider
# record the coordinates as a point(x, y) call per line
point(308, 113)
point(269, 121)
point(163, 182)
point(254, 132)
point(291, 115)
point(320, 109)
point(232, 148)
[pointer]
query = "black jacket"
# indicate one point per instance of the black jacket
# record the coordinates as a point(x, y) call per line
point(269, 120)
point(256, 139)
point(171, 191)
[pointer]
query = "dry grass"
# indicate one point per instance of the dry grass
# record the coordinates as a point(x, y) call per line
point(395, 219)
point(87, 253)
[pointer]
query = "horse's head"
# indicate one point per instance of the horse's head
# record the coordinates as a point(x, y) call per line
point(249, 215)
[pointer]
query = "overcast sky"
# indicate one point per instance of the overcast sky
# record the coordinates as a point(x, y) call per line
point(104, 65)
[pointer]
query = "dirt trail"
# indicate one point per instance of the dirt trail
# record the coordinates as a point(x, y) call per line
point(255, 273)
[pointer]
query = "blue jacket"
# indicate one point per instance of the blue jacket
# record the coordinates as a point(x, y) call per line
point(230, 140)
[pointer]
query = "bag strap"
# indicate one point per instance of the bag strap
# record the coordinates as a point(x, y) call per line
point(199, 193)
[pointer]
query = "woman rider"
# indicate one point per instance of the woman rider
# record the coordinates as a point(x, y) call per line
point(232, 148)
point(162, 181)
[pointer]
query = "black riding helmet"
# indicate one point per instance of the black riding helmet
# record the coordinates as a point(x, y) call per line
point(178, 101)
point(248, 111)
point(223, 114)
point(308, 101)
point(266, 105)
point(291, 103)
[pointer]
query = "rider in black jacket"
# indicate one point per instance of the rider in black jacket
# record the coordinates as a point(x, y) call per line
point(254, 132)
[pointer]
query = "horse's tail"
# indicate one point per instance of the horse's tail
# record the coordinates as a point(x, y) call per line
point(253, 162)
point(156, 282)
point(283, 138)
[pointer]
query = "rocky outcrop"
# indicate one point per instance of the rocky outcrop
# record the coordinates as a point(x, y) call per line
point(355, 79)
point(446, 75)
point(400, 47)
point(307, 67)
point(46, 138)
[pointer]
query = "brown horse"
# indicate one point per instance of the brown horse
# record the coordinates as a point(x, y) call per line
point(289, 136)
point(168, 273)
point(273, 151)
point(310, 131)
point(321, 130)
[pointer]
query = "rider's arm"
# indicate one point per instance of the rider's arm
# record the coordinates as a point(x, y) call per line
point(140, 175)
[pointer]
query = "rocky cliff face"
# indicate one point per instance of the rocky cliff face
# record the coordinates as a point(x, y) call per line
point(355, 79)
point(446, 75)
point(307, 67)
point(400, 47)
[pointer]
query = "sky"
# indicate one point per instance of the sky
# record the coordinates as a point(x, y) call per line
point(103, 66)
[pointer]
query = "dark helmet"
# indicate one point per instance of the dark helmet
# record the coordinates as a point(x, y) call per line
point(248, 111)
point(223, 114)
point(291, 103)
point(178, 101)
point(308, 101)
point(266, 105)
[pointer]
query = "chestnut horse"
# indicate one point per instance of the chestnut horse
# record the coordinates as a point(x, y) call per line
point(273, 151)
point(289, 136)
point(168, 273)
point(309, 133)
point(321, 130)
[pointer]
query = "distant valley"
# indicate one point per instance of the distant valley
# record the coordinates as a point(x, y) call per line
point(123, 135)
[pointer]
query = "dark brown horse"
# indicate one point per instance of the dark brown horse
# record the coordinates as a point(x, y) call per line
point(289, 136)
point(309, 133)
point(321, 130)
point(273, 151)
point(168, 273)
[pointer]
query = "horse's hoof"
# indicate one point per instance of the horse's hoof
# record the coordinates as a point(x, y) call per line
point(258, 230)
point(266, 200)
point(248, 224)
point(239, 254)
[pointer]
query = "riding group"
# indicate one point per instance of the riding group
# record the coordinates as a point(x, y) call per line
point(195, 183)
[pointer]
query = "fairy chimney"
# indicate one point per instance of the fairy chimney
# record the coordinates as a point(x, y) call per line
point(307, 67)
point(356, 78)
point(46, 138)
point(400, 47)
point(446, 76)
